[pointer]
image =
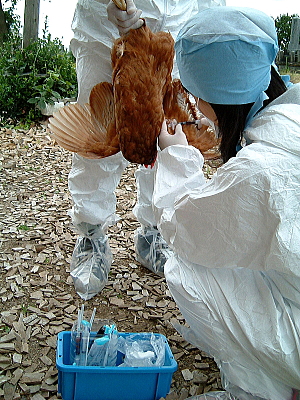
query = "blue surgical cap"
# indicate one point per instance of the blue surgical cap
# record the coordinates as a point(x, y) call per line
point(224, 54)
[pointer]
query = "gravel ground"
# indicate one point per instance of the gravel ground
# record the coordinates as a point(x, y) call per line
point(38, 299)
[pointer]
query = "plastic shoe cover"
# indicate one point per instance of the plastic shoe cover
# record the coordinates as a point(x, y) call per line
point(91, 261)
point(151, 249)
point(221, 395)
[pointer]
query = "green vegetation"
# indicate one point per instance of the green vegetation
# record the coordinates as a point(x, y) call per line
point(283, 25)
point(24, 228)
point(44, 72)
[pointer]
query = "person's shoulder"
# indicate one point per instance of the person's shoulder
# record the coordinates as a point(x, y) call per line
point(291, 96)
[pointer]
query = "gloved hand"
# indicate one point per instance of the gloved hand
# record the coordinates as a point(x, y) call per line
point(207, 122)
point(165, 139)
point(125, 20)
point(203, 121)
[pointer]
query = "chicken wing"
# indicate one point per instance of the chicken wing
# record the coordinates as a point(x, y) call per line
point(88, 130)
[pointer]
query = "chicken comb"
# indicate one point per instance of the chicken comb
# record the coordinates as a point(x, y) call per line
point(121, 4)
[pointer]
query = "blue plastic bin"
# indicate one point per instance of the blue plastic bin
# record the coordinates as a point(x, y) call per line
point(111, 383)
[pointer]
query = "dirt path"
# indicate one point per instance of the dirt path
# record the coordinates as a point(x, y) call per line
point(37, 295)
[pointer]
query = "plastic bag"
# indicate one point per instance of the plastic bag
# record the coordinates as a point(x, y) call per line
point(91, 261)
point(213, 396)
point(103, 351)
point(142, 350)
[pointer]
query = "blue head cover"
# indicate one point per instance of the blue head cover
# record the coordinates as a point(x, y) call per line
point(224, 55)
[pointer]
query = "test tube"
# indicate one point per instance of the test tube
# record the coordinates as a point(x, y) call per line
point(85, 336)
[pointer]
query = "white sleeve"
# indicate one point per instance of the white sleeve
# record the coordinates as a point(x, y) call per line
point(178, 171)
point(234, 220)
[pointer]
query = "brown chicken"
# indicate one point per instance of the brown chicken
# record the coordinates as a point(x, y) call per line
point(127, 115)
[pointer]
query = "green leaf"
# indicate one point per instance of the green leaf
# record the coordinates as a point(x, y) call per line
point(56, 95)
point(42, 104)
point(33, 100)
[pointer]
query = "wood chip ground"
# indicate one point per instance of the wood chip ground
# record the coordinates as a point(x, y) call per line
point(36, 293)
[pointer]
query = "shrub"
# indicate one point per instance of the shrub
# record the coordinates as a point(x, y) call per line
point(43, 72)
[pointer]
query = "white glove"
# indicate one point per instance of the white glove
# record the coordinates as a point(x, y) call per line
point(125, 20)
point(203, 121)
point(165, 139)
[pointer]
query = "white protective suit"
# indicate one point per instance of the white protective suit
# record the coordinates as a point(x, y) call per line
point(92, 182)
point(235, 274)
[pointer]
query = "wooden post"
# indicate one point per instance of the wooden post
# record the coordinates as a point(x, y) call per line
point(3, 26)
point(294, 43)
point(31, 21)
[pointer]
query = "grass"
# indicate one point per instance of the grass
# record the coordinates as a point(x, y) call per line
point(24, 228)
point(293, 72)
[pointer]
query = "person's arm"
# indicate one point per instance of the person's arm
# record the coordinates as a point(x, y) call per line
point(225, 222)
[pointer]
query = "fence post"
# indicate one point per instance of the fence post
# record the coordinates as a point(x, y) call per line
point(31, 21)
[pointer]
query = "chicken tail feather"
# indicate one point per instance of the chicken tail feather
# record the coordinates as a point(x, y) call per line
point(76, 129)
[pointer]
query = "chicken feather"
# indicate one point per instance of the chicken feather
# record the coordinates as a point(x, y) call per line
point(102, 104)
point(178, 106)
point(88, 130)
point(128, 114)
point(141, 75)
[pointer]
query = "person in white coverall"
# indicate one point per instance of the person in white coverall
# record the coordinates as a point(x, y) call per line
point(235, 268)
point(96, 24)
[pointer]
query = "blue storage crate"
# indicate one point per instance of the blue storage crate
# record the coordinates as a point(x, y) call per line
point(111, 383)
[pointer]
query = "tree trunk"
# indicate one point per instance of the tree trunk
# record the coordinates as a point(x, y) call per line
point(3, 26)
point(31, 21)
